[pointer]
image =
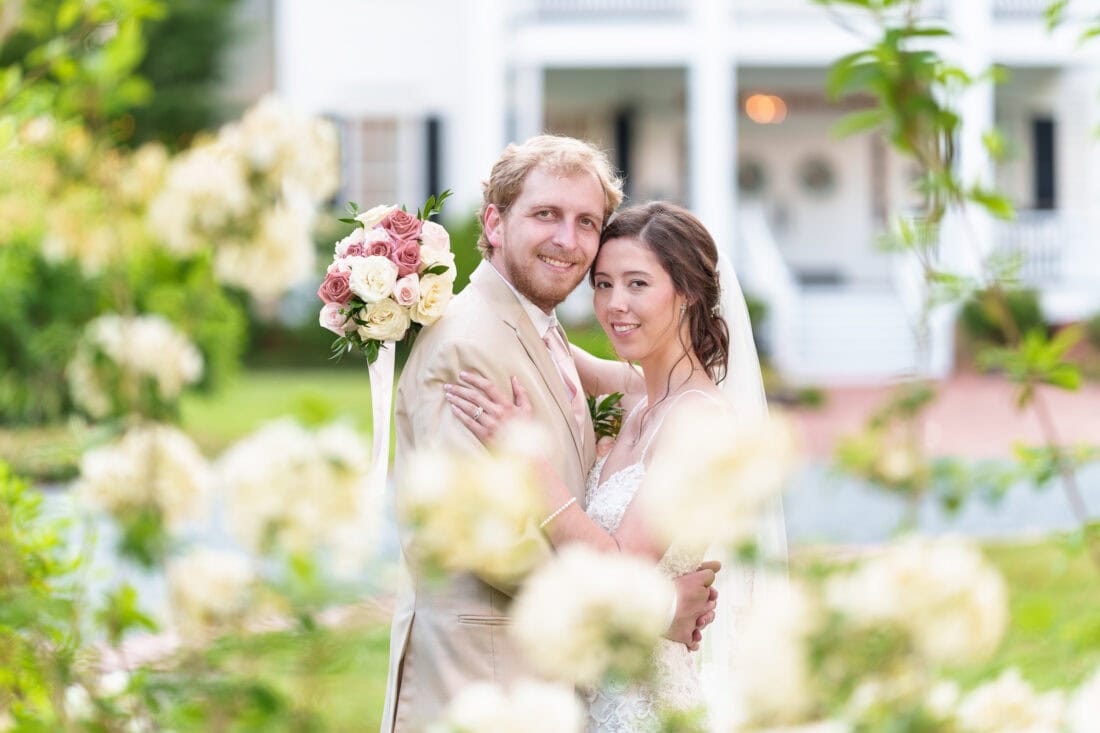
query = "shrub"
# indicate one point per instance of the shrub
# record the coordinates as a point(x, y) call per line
point(982, 320)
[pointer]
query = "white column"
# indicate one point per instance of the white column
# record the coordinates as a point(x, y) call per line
point(711, 101)
point(972, 23)
point(528, 101)
point(475, 133)
point(1077, 167)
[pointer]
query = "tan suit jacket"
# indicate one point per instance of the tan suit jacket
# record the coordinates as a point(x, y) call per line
point(447, 635)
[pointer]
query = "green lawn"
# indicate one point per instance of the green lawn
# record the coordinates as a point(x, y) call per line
point(311, 395)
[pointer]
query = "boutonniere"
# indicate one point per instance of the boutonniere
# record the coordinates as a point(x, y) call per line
point(607, 414)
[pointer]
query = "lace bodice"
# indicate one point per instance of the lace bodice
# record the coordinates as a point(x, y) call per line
point(636, 708)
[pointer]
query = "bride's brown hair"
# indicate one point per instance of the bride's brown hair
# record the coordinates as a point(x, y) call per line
point(689, 255)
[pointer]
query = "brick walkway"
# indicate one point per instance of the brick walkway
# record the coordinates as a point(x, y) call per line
point(974, 416)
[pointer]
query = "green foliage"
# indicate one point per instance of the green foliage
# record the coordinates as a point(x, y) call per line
point(39, 329)
point(183, 64)
point(1037, 359)
point(464, 234)
point(984, 320)
point(77, 60)
point(38, 604)
point(607, 414)
point(187, 294)
point(42, 312)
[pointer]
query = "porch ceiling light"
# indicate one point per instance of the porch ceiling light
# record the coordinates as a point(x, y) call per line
point(766, 109)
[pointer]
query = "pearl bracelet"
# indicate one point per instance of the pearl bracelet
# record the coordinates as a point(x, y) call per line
point(557, 511)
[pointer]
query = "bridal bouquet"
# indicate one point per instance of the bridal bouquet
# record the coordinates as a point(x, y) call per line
point(391, 276)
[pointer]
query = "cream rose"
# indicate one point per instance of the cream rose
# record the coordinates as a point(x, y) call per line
point(384, 320)
point(406, 291)
point(370, 217)
point(435, 294)
point(434, 238)
point(372, 278)
point(431, 258)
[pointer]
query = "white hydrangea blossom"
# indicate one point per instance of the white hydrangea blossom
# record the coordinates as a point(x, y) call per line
point(251, 193)
point(140, 347)
point(529, 707)
point(585, 614)
point(712, 475)
point(210, 590)
point(288, 146)
point(943, 592)
point(275, 259)
point(205, 190)
point(302, 490)
point(776, 687)
point(1084, 707)
point(1009, 704)
point(151, 467)
point(471, 512)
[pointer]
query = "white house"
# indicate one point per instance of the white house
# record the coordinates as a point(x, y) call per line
point(718, 104)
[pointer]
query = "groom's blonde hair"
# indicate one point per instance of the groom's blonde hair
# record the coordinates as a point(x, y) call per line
point(561, 155)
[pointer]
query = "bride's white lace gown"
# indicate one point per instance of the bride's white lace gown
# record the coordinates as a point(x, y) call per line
point(636, 708)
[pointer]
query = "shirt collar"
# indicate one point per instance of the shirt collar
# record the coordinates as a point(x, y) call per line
point(541, 320)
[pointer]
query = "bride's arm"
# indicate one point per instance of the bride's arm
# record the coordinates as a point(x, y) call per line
point(573, 525)
point(604, 376)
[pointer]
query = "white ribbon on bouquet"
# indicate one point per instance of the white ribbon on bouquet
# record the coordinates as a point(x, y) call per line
point(381, 400)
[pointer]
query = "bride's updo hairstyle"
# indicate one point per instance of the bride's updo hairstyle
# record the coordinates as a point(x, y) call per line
point(688, 254)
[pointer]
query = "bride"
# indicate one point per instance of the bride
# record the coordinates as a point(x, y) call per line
point(669, 303)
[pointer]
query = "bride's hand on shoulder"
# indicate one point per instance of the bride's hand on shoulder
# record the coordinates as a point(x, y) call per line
point(480, 406)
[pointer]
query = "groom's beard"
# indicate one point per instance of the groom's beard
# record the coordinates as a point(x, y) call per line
point(545, 292)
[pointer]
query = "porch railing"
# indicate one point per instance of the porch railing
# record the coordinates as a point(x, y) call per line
point(1040, 239)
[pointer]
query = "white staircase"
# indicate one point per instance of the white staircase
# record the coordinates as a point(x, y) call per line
point(839, 334)
point(845, 335)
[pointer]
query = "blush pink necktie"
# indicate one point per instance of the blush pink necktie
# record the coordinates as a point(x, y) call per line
point(568, 372)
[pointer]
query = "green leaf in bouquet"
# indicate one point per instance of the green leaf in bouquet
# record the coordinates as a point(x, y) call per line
point(370, 350)
point(607, 414)
point(436, 270)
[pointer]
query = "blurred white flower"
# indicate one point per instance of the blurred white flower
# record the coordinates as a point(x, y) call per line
point(1084, 708)
point(300, 490)
point(1009, 704)
point(824, 726)
point(775, 683)
point(584, 615)
point(278, 256)
point(205, 190)
point(138, 348)
point(472, 512)
point(712, 474)
point(152, 467)
point(211, 591)
point(943, 592)
point(529, 707)
point(289, 147)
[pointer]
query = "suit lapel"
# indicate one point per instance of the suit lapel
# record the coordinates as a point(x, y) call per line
point(503, 301)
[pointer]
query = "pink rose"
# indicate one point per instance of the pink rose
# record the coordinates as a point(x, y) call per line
point(355, 250)
point(335, 288)
point(402, 225)
point(356, 237)
point(333, 320)
point(406, 291)
point(407, 257)
point(377, 244)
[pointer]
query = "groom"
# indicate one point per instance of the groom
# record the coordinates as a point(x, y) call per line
point(543, 208)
